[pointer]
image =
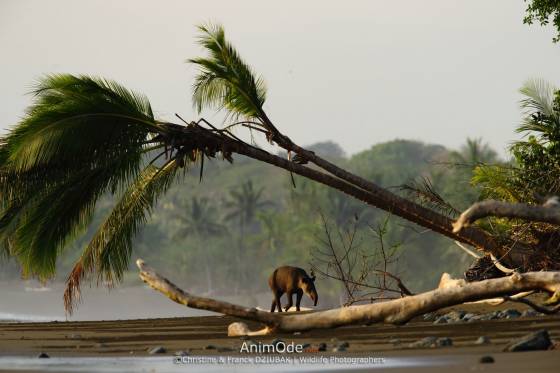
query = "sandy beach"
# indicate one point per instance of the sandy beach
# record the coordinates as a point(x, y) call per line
point(109, 341)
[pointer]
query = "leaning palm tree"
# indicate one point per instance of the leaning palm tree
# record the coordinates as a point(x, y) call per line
point(84, 137)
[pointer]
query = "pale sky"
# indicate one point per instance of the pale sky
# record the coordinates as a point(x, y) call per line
point(355, 72)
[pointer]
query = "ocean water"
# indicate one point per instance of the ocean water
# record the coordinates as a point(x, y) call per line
point(27, 301)
point(218, 364)
point(22, 317)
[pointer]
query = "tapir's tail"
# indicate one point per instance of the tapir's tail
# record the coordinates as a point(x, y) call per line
point(272, 281)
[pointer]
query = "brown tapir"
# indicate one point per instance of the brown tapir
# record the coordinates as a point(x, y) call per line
point(291, 280)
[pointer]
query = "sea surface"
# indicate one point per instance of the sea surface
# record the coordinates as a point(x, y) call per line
point(28, 301)
point(23, 317)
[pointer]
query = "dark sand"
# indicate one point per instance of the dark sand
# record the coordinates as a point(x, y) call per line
point(133, 338)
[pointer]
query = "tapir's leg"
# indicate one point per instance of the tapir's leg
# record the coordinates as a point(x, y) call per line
point(273, 307)
point(276, 301)
point(299, 294)
point(290, 300)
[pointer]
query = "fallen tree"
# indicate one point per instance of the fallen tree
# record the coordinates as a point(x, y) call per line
point(397, 311)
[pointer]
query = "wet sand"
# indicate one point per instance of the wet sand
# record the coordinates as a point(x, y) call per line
point(133, 338)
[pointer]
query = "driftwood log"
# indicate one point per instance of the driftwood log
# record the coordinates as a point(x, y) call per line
point(398, 311)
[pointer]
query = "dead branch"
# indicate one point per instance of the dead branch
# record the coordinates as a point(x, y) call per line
point(500, 266)
point(447, 281)
point(398, 311)
point(549, 212)
point(533, 305)
point(163, 285)
point(467, 250)
point(341, 256)
point(355, 283)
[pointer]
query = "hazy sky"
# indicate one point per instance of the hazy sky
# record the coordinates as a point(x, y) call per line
point(356, 72)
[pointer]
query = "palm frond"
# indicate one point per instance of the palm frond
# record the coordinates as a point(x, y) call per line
point(109, 251)
point(424, 191)
point(538, 106)
point(76, 119)
point(539, 96)
point(82, 137)
point(497, 182)
point(224, 80)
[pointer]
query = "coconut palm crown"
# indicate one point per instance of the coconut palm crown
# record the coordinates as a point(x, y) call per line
point(84, 137)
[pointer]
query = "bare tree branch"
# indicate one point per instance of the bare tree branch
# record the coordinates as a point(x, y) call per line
point(535, 306)
point(547, 213)
point(467, 250)
point(341, 256)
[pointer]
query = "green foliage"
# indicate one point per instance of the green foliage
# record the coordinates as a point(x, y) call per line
point(538, 157)
point(543, 11)
point(496, 181)
point(472, 155)
point(535, 172)
point(396, 161)
point(109, 250)
point(81, 138)
point(245, 202)
point(200, 218)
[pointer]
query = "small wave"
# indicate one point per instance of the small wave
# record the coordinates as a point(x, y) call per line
point(37, 289)
point(18, 317)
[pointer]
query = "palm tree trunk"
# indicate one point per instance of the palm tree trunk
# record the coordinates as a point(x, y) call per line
point(209, 284)
point(206, 258)
point(374, 195)
point(238, 253)
point(211, 141)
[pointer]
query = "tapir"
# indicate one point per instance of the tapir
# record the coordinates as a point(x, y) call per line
point(291, 280)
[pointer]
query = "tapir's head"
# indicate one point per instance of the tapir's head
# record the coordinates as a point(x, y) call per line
point(308, 286)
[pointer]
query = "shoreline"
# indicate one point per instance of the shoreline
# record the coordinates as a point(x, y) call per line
point(108, 344)
point(199, 334)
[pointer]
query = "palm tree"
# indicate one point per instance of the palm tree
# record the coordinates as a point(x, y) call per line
point(475, 152)
point(244, 205)
point(535, 171)
point(225, 81)
point(84, 137)
point(199, 220)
